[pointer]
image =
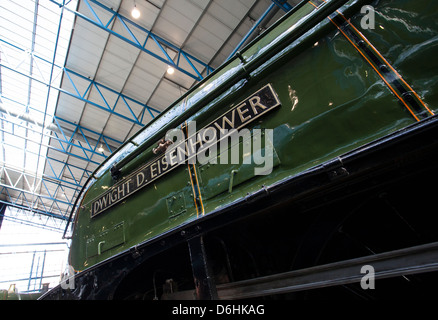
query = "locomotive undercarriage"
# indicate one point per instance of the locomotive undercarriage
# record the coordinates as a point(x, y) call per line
point(327, 249)
point(304, 238)
point(312, 237)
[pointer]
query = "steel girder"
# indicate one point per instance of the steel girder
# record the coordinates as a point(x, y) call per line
point(25, 196)
point(133, 28)
point(282, 4)
point(49, 203)
point(77, 81)
point(78, 136)
point(60, 177)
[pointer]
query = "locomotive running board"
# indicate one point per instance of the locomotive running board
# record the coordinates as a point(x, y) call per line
point(418, 259)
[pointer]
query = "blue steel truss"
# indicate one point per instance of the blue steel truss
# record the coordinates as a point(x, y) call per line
point(25, 198)
point(283, 5)
point(81, 131)
point(133, 29)
point(52, 175)
point(250, 32)
point(66, 177)
point(28, 217)
point(49, 204)
point(56, 194)
point(66, 140)
point(77, 80)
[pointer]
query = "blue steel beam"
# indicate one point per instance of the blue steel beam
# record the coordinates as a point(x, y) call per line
point(49, 199)
point(250, 32)
point(33, 223)
point(64, 142)
point(58, 177)
point(63, 150)
point(133, 28)
point(53, 195)
point(45, 205)
point(69, 167)
point(74, 78)
point(83, 132)
point(54, 184)
point(283, 5)
point(62, 177)
point(108, 109)
point(108, 141)
point(14, 203)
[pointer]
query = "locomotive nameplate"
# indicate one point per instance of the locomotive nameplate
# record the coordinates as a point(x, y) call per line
point(238, 116)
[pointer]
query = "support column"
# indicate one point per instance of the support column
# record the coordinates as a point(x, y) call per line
point(3, 207)
point(204, 283)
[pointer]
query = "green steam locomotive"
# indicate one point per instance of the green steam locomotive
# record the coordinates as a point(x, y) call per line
point(312, 150)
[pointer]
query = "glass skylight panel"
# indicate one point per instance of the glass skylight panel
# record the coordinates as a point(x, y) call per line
point(34, 33)
point(14, 155)
point(16, 21)
point(14, 86)
point(32, 54)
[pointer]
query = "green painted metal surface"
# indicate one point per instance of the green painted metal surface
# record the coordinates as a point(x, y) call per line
point(337, 92)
